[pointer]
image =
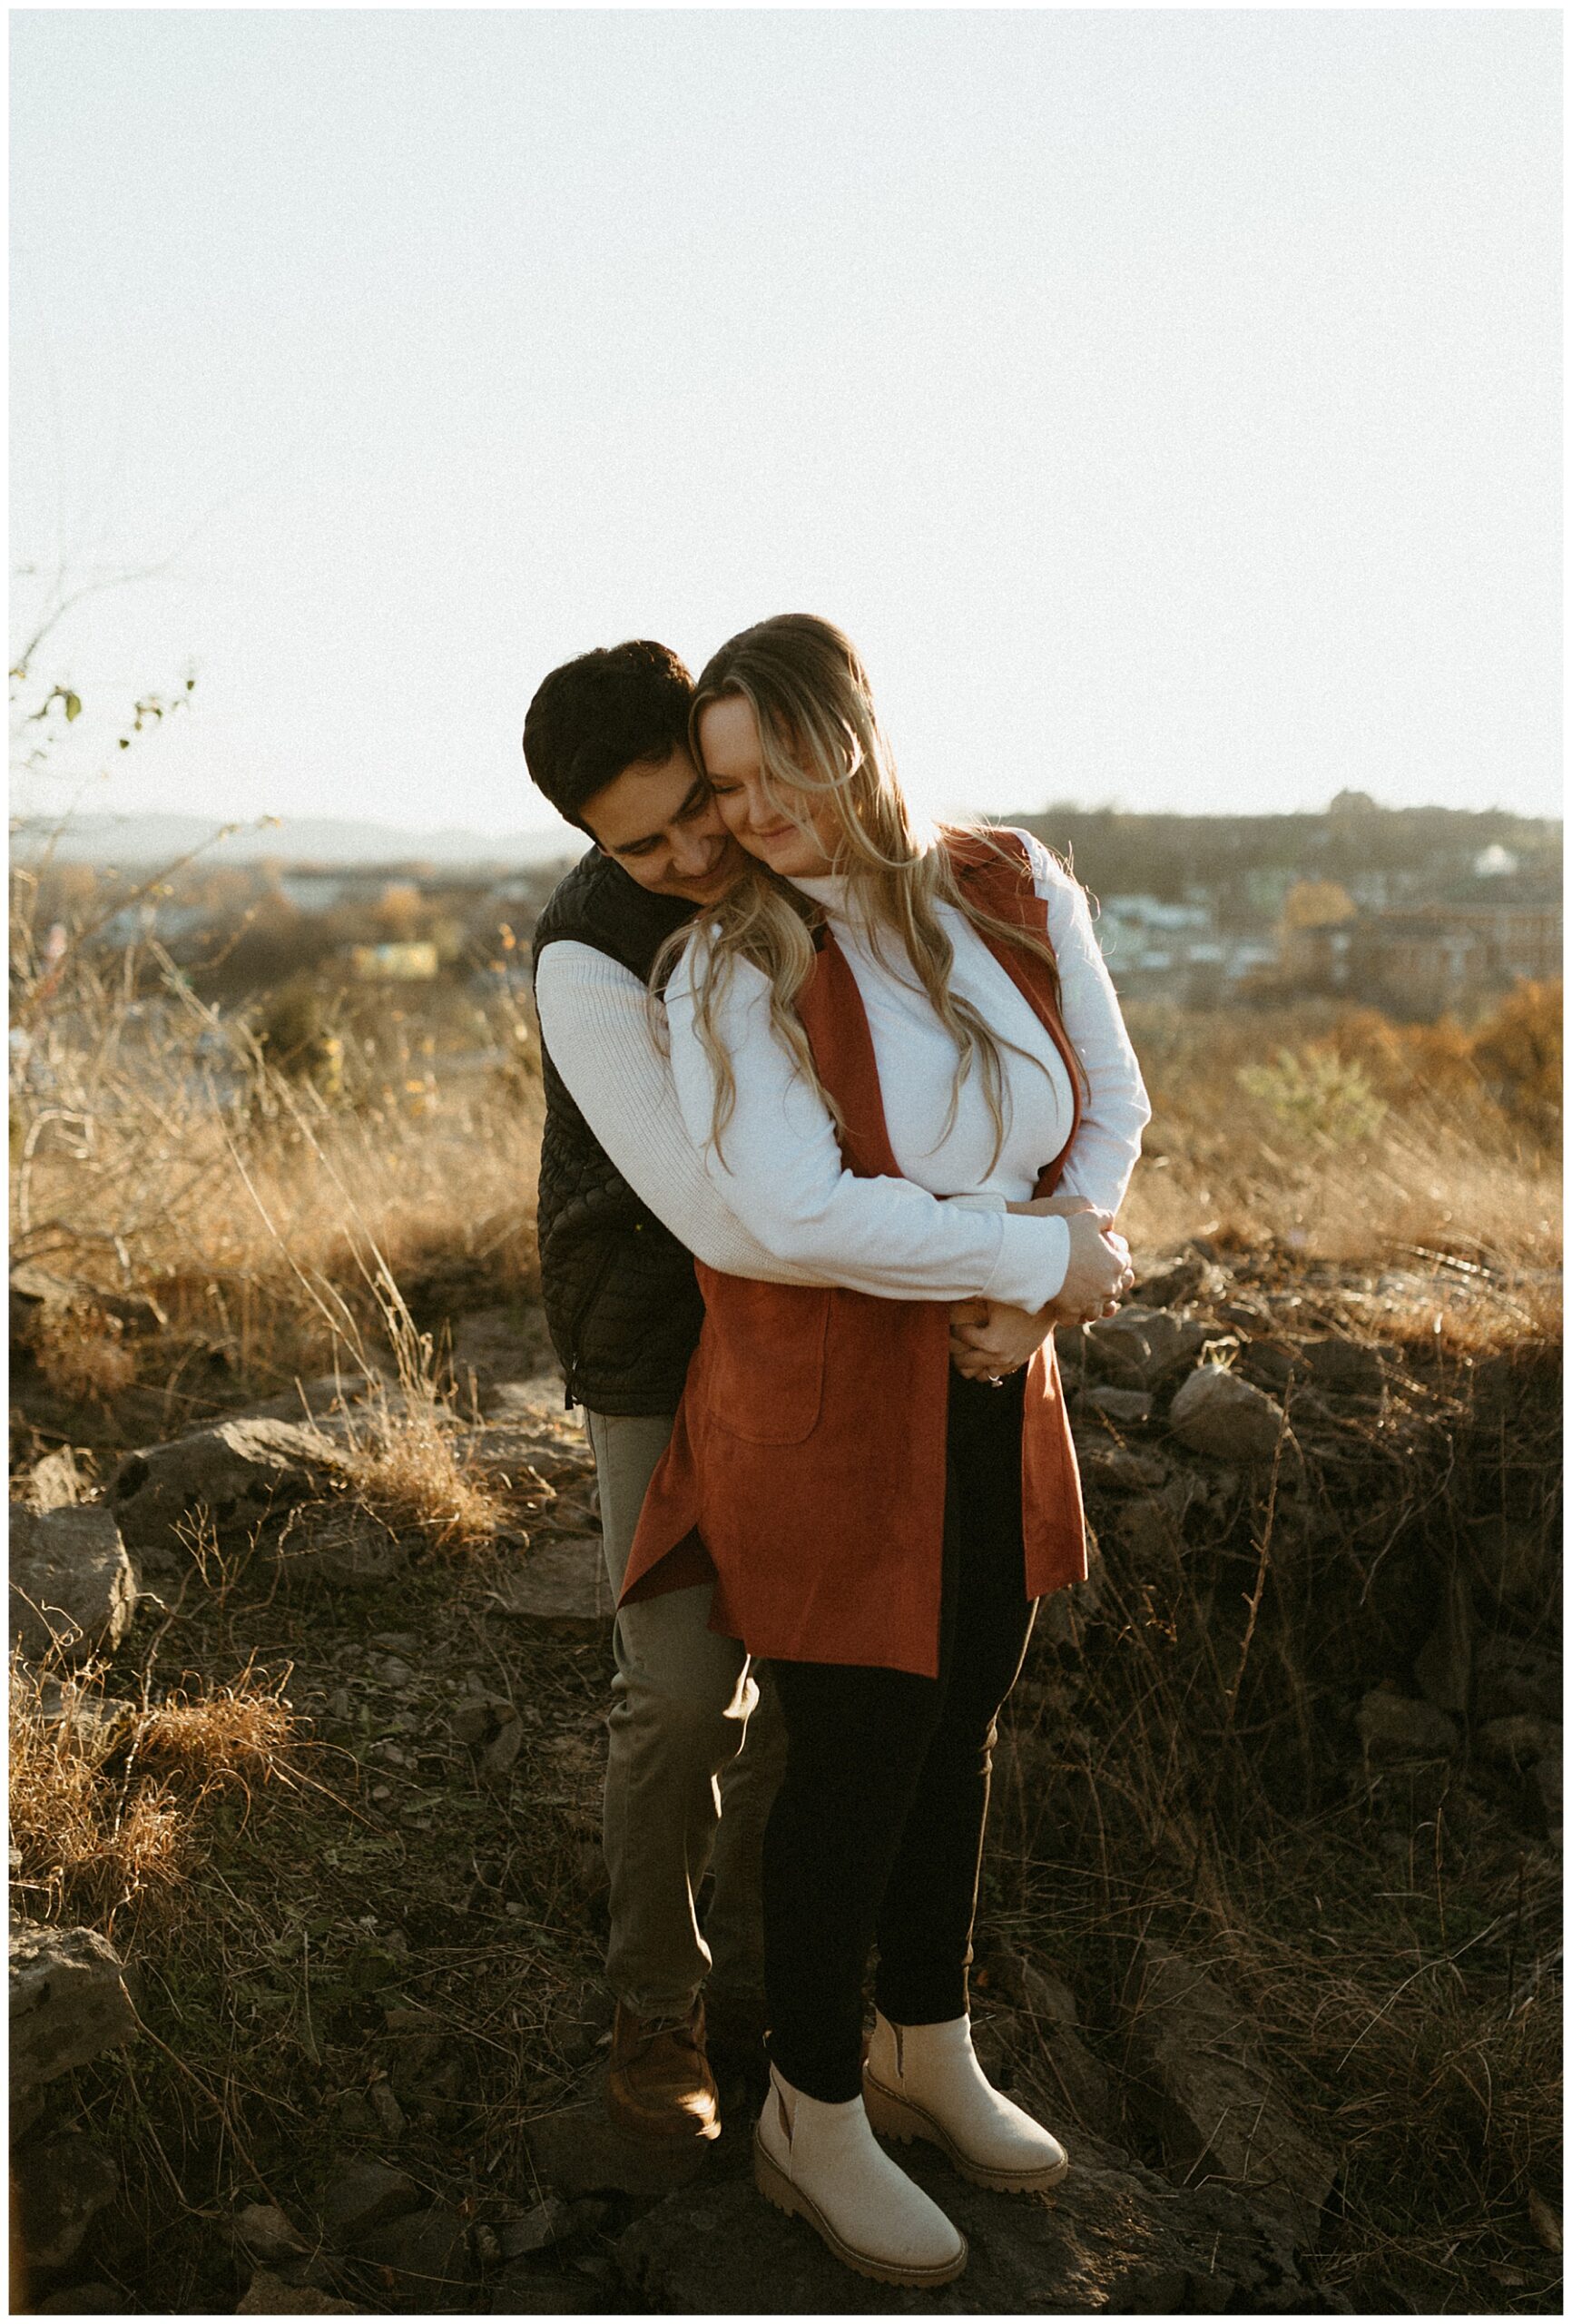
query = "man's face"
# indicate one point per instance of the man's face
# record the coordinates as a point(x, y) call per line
point(658, 820)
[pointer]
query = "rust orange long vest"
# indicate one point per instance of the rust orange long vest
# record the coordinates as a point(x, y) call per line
point(806, 1470)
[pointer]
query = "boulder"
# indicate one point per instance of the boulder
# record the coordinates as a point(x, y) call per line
point(1343, 1367)
point(69, 2002)
point(310, 1399)
point(1520, 1740)
point(551, 2221)
point(1547, 1784)
point(270, 2295)
point(363, 2196)
point(1218, 1413)
point(1181, 1281)
point(425, 2255)
point(1512, 1675)
point(239, 1473)
point(1444, 1667)
point(340, 1544)
point(1392, 1727)
point(1199, 2076)
point(523, 2289)
point(1056, 2061)
point(1113, 2239)
point(73, 1590)
point(1126, 1407)
point(561, 1586)
point(264, 2231)
point(61, 2185)
point(578, 2151)
point(1142, 1347)
point(1116, 1467)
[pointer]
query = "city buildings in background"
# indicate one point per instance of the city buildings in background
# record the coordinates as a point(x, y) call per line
point(1416, 911)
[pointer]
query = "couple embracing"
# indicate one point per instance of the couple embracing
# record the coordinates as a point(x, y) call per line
point(839, 1114)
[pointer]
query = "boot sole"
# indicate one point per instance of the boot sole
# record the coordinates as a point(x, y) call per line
point(777, 2189)
point(903, 2119)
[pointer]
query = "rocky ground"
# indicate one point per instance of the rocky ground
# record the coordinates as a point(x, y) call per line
point(1299, 1737)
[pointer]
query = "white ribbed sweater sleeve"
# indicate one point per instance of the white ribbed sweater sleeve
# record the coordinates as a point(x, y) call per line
point(595, 1018)
point(1115, 1108)
point(779, 1167)
point(816, 1224)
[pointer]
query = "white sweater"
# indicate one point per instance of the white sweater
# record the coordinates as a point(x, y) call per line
point(777, 1203)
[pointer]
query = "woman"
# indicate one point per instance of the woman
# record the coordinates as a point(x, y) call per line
point(863, 1018)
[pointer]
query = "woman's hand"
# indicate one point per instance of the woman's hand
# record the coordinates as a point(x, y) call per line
point(993, 1339)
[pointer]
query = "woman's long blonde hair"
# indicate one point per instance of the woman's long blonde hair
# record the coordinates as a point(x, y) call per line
point(822, 744)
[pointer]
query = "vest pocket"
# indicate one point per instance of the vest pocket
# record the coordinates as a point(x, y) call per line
point(766, 1358)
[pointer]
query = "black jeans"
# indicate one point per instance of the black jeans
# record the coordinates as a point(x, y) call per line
point(877, 1829)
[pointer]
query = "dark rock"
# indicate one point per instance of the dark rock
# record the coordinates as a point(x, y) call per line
point(61, 2186)
point(1392, 1727)
point(83, 2300)
point(1444, 1667)
point(1547, 1784)
point(310, 1399)
point(1118, 1469)
point(1072, 2084)
point(1184, 1281)
point(561, 1586)
point(1199, 2076)
point(270, 2295)
point(69, 2002)
point(1343, 1367)
point(551, 2221)
point(263, 2230)
point(1218, 1413)
point(1520, 1740)
point(1127, 1407)
point(426, 2254)
point(523, 2290)
point(364, 2196)
point(73, 1590)
point(578, 2151)
point(1111, 2239)
point(341, 1543)
point(1512, 1675)
point(1514, 1563)
point(1268, 1364)
point(240, 1473)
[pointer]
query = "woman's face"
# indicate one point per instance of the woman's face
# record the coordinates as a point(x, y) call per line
point(729, 743)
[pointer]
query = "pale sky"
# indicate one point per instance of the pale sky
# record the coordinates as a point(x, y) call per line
point(1167, 404)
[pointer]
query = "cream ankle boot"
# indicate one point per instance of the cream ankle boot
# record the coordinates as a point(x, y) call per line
point(822, 2163)
point(923, 2081)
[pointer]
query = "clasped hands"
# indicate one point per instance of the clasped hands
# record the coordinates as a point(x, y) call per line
point(987, 1339)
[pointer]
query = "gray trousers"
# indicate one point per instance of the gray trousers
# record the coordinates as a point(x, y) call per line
point(682, 1700)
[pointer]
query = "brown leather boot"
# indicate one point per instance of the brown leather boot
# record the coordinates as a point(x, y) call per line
point(659, 2086)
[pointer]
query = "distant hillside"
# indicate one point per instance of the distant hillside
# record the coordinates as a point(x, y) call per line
point(1244, 863)
point(152, 840)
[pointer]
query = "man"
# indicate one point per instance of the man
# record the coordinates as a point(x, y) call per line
point(605, 740)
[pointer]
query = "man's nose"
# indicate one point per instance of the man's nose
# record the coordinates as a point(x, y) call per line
point(691, 851)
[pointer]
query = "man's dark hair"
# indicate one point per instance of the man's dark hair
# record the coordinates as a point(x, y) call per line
point(594, 717)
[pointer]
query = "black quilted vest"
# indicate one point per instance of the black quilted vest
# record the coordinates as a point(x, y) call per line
point(621, 1301)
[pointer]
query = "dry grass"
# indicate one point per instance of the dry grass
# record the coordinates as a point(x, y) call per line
point(106, 1800)
point(1446, 1157)
point(156, 1150)
point(407, 1471)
